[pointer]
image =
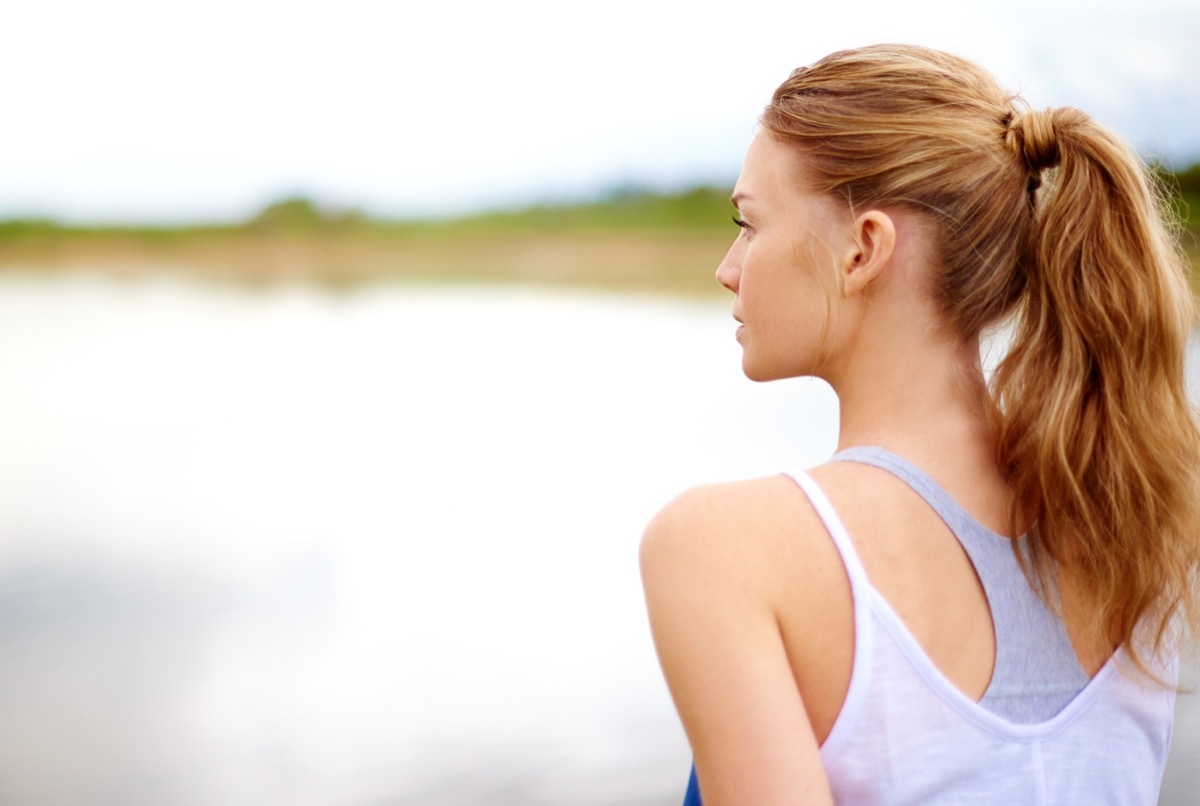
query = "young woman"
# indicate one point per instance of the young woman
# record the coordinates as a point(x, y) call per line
point(981, 598)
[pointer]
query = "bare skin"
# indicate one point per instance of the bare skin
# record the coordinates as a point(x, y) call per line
point(748, 599)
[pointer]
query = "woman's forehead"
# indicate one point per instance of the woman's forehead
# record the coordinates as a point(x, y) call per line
point(772, 170)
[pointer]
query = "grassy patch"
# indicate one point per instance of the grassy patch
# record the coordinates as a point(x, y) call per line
point(635, 241)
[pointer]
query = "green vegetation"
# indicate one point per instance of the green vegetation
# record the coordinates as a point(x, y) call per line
point(631, 238)
point(1183, 187)
point(668, 242)
point(698, 210)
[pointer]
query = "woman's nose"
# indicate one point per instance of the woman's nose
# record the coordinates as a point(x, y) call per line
point(728, 273)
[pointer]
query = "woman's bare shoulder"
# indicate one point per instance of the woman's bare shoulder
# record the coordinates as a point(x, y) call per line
point(746, 597)
point(761, 531)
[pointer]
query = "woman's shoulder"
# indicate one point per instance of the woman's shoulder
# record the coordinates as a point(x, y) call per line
point(735, 515)
point(760, 536)
point(747, 593)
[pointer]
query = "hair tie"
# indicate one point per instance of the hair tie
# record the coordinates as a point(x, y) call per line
point(1033, 135)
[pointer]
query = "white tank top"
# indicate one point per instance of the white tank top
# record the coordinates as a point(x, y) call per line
point(907, 735)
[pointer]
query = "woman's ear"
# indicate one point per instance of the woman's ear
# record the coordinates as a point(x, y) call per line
point(873, 243)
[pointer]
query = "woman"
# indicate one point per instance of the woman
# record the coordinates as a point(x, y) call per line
point(980, 599)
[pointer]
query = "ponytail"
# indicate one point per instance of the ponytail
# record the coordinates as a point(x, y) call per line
point(1096, 433)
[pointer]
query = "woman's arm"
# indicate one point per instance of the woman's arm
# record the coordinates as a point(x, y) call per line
point(712, 572)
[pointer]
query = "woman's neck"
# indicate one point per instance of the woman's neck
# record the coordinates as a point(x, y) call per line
point(923, 396)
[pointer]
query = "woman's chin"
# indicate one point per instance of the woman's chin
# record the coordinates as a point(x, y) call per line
point(757, 372)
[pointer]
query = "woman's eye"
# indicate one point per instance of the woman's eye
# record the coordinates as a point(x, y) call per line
point(740, 222)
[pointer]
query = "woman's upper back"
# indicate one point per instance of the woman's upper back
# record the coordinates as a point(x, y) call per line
point(1034, 669)
point(1042, 731)
point(953, 583)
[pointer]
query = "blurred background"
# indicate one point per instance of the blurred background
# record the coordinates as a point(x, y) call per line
point(346, 349)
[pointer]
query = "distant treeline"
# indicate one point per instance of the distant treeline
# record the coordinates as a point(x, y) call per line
point(699, 208)
point(629, 208)
point(626, 209)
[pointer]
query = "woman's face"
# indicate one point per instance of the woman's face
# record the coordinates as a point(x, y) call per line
point(782, 267)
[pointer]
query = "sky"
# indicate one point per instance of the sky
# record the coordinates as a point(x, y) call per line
point(161, 111)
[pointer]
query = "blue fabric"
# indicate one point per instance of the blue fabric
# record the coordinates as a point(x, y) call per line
point(692, 798)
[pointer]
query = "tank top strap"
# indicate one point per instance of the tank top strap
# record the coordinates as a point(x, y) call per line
point(961, 523)
point(837, 531)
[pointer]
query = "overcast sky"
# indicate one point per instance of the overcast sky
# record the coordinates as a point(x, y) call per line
point(170, 110)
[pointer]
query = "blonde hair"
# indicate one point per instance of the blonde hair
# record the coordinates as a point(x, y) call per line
point(1093, 427)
